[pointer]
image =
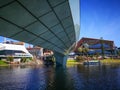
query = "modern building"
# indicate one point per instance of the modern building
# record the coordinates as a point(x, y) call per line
point(95, 45)
point(15, 50)
point(39, 52)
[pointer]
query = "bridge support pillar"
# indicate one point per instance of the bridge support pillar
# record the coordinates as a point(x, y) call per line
point(60, 59)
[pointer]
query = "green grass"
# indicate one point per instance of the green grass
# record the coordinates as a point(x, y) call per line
point(105, 61)
point(72, 61)
point(110, 61)
point(2, 63)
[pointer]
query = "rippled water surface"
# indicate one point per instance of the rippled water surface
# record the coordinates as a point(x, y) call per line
point(76, 77)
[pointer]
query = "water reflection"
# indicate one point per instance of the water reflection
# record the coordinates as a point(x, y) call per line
point(61, 80)
point(76, 77)
point(97, 77)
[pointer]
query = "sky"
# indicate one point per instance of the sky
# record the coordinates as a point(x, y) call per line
point(100, 18)
point(2, 39)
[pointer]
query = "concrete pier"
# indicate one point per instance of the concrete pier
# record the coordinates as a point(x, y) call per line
point(60, 59)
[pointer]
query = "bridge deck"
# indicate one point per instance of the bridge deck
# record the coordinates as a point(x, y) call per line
point(45, 23)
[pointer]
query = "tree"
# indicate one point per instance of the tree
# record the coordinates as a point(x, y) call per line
point(119, 53)
point(10, 58)
point(83, 50)
point(86, 50)
point(97, 54)
point(80, 49)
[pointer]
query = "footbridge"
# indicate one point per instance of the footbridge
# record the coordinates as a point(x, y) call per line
point(46, 23)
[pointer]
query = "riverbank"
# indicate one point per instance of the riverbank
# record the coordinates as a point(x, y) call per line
point(110, 61)
point(30, 63)
point(72, 61)
point(105, 61)
point(2, 63)
point(69, 62)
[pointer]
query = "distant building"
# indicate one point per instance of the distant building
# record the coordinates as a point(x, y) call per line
point(47, 52)
point(95, 45)
point(39, 52)
point(36, 51)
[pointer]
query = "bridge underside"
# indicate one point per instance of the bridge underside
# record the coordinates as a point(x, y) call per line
point(44, 23)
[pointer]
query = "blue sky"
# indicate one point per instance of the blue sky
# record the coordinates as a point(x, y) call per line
point(8, 39)
point(100, 18)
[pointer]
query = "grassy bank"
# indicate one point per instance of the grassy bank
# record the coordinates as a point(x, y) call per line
point(110, 61)
point(2, 63)
point(72, 61)
point(105, 61)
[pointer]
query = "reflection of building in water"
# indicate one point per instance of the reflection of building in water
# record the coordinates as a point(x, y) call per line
point(36, 51)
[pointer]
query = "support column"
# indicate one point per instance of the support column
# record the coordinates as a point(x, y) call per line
point(60, 59)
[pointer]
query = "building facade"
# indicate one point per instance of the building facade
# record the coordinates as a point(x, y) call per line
point(17, 51)
point(95, 45)
point(36, 51)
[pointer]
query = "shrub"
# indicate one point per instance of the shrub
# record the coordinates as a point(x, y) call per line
point(79, 58)
point(23, 59)
point(26, 59)
point(10, 58)
point(30, 58)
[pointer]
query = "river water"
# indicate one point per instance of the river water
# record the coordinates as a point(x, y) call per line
point(75, 77)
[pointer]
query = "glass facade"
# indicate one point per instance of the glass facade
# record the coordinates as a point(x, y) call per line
point(96, 46)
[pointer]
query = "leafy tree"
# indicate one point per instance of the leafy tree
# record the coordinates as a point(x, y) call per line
point(23, 59)
point(80, 49)
point(10, 58)
point(97, 54)
point(83, 50)
point(86, 50)
point(119, 53)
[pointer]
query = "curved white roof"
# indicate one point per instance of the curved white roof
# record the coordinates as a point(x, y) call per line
point(13, 47)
